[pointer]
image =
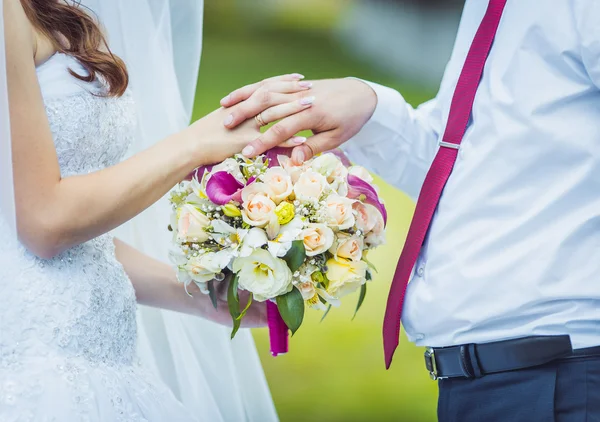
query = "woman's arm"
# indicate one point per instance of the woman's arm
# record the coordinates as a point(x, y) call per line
point(53, 213)
point(156, 285)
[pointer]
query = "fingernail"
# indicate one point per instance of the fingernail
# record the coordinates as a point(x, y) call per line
point(298, 140)
point(305, 84)
point(297, 76)
point(228, 120)
point(248, 150)
point(307, 100)
point(226, 99)
point(298, 156)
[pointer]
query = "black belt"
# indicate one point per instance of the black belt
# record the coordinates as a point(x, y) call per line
point(477, 360)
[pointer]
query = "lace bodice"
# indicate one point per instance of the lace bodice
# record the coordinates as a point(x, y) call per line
point(80, 305)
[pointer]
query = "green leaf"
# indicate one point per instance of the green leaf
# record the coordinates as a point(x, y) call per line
point(361, 299)
point(246, 308)
point(233, 300)
point(291, 308)
point(368, 276)
point(326, 313)
point(296, 255)
point(212, 293)
point(370, 264)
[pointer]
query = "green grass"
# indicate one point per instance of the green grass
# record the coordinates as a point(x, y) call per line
point(335, 370)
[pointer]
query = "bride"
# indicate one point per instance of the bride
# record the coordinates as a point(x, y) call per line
point(68, 286)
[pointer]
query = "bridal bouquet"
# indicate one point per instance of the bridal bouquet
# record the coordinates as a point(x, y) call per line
point(294, 236)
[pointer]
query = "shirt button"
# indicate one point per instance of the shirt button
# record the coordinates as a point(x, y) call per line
point(420, 271)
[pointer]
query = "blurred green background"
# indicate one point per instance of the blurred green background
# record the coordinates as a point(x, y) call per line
point(335, 371)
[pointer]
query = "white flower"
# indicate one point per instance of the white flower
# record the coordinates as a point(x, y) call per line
point(263, 275)
point(230, 166)
point(282, 242)
point(339, 212)
point(205, 267)
point(376, 236)
point(226, 235)
point(279, 182)
point(361, 172)
point(255, 239)
point(317, 238)
point(330, 166)
point(310, 185)
point(191, 224)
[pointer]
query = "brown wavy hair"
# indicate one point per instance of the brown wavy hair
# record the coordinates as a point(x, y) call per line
point(73, 31)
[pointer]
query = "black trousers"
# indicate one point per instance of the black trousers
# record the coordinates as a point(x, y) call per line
point(564, 391)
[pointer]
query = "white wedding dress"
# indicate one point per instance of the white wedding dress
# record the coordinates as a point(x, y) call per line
point(68, 324)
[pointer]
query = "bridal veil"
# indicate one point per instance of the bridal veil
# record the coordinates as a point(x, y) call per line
point(160, 41)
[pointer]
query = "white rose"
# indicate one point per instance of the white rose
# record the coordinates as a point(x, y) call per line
point(232, 167)
point(361, 172)
point(191, 224)
point(339, 212)
point(279, 182)
point(348, 247)
point(263, 275)
point(310, 185)
point(258, 209)
point(317, 238)
point(329, 166)
point(205, 267)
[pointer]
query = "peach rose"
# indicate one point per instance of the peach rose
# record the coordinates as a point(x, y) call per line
point(366, 216)
point(317, 238)
point(310, 185)
point(376, 236)
point(280, 183)
point(339, 212)
point(348, 247)
point(258, 209)
point(191, 224)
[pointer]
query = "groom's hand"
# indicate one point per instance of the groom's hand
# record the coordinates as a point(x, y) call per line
point(340, 109)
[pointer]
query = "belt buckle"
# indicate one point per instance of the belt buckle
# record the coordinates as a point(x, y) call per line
point(430, 363)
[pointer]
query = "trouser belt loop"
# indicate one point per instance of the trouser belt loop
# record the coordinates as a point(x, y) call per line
point(469, 361)
point(472, 353)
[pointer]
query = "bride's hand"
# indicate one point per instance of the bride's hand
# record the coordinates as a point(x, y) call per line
point(255, 317)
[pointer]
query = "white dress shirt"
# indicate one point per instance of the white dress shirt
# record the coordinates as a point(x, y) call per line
point(514, 247)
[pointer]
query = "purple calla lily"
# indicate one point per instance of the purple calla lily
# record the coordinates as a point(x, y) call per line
point(273, 153)
point(223, 188)
point(358, 188)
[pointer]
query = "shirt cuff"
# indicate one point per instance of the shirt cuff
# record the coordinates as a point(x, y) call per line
point(386, 117)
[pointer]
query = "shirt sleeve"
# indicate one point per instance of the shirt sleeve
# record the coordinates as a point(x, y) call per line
point(399, 142)
point(587, 18)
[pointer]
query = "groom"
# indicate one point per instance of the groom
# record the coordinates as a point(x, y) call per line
point(504, 264)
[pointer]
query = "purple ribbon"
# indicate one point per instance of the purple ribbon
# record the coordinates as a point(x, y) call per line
point(278, 331)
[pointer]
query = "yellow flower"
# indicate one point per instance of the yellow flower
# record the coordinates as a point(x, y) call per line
point(230, 210)
point(285, 213)
point(345, 276)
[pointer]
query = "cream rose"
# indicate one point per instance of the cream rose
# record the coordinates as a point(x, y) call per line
point(307, 289)
point(329, 166)
point(263, 275)
point(348, 247)
point(279, 182)
point(339, 212)
point(361, 172)
point(258, 209)
point(293, 170)
point(345, 276)
point(191, 224)
point(310, 185)
point(366, 216)
point(317, 238)
point(376, 236)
